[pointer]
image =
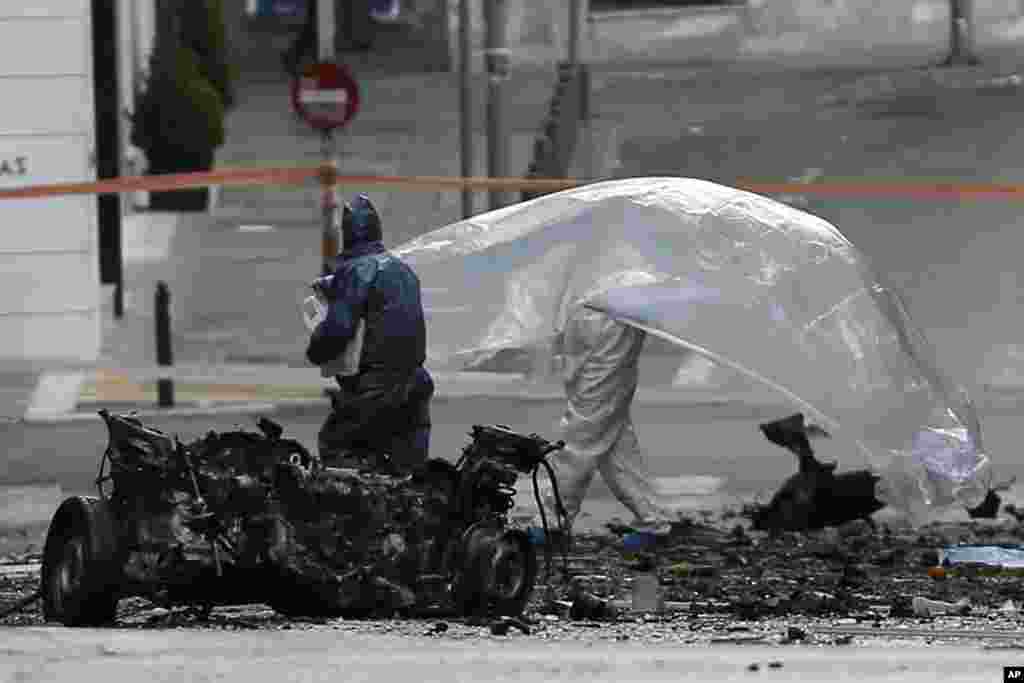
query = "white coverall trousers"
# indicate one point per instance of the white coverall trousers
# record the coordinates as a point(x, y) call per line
point(600, 381)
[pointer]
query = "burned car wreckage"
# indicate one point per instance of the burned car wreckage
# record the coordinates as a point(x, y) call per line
point(241, 517)
point(776, 296)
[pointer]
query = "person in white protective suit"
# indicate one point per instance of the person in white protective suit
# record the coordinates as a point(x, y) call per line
point(601, 357)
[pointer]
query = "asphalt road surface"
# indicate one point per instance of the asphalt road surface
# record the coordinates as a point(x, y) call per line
point(710, 455)
point(682, 440)
point(48, 654)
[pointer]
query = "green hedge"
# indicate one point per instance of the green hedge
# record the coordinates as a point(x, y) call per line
point(180, 114)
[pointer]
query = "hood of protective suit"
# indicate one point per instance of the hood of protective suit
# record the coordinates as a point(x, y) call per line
point(360, 224)
point(772, 292)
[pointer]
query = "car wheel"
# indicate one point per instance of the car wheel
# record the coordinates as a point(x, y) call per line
point(511, 574)
point(80, 572)
point(498, 575)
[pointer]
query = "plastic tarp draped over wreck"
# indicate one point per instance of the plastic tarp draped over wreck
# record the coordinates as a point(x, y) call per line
point(770, 291)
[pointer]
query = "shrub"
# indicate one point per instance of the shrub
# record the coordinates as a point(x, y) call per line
point(179, 117)
point(204, 31)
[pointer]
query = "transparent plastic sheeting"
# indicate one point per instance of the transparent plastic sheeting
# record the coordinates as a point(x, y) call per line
point(770, 291)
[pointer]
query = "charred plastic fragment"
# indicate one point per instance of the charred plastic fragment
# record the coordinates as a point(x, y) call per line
point(988, 508)
point(991, 504)
point(815, 497)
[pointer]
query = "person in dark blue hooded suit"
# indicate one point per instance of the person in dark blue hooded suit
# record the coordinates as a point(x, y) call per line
point(385, 407)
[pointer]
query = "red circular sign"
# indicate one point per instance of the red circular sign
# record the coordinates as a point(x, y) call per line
point(325, 95)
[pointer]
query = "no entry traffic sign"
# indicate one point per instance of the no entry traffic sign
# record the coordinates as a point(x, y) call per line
point(325, 95)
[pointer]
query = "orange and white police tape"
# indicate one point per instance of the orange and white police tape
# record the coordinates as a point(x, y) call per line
point(284, 175)
point(297, 175)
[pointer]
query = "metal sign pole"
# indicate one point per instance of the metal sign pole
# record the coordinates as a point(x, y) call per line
point(466, 101)
point(329, 202)
point(497, 54)
point(575, 12)
point(326, 27)
point(327, 98)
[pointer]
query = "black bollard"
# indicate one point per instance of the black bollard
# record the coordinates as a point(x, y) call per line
point(164, 354)
point(583, 77)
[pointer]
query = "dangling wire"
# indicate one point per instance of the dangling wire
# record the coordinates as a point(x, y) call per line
point(562, 514)
point(544, 524)
point(563, 517)
point(102, 477)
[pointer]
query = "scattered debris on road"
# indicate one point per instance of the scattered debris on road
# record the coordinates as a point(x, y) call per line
point(718, 581)
point(814, 497)
point(832, 586)
point(923, 607)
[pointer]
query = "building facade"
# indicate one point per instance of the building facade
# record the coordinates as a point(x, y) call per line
point(50, 292)
point(49, 280)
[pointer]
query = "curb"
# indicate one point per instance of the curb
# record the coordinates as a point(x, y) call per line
point(90, 416)
point(992, 398)
point(68, 406)
point(737, 404)
point(742, 405)
point(449, 385)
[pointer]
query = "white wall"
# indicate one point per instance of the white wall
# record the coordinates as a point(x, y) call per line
point(49, 272)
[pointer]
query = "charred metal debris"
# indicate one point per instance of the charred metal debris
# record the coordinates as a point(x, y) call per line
point(817, 497)
point(241, 517)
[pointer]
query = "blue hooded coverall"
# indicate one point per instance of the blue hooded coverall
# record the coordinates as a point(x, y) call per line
point(385, 408)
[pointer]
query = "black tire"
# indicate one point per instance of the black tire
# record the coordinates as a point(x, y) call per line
point(511, 574)
point(80, 572)
point(499, 574)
